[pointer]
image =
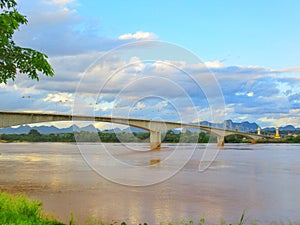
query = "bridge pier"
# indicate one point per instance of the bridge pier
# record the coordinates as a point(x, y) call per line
point(155, 140)
point(220, 141)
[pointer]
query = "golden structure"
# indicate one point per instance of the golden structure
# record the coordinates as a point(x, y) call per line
point(277, 133)
point(258, 130)
point(154, 161)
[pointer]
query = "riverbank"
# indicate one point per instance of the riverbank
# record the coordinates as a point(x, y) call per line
point(19, 209)
point(124, 137)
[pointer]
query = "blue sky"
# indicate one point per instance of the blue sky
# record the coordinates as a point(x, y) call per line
point(251, 47)
point(263, 33)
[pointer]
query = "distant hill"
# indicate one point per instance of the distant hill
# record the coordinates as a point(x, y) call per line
point(229, 124)
point(46, 129)
point(285, 128)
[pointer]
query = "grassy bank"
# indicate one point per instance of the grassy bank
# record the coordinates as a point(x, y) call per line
point(19, 210)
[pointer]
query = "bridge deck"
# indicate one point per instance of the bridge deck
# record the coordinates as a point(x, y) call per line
point(154, 126)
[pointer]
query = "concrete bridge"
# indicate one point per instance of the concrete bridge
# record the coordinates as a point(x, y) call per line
point(154, 127)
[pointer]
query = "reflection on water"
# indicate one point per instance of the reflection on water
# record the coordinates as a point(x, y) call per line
point(264, 180)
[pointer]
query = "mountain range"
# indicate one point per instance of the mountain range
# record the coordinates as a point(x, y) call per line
point(229, 124)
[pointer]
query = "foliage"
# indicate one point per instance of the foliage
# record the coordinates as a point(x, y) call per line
point(236, 138)
point(13, 58)
point(84, 136)
point(169, 137)
point(19, 210)
point(292, 139)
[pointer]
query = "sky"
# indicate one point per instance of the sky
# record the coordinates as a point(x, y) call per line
point(167, 60)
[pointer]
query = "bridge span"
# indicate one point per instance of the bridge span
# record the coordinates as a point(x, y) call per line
point(155, 127)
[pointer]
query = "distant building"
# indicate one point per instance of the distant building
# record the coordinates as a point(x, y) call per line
point(277, 133)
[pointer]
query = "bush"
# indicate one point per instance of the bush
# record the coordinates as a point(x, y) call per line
point(18, 209)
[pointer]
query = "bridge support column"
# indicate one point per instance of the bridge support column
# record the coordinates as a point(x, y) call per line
point(220, 140)
point(155, 140)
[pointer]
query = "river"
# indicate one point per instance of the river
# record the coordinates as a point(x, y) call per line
point(262, 179)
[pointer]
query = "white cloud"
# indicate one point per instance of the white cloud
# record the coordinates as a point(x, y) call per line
point(104, 106)
point(239, 93)
point(295, 111)
point(139, 35)
point(250, 94)
point(138, 79)
point(59, 2)
point(58, 97)
point(161, 105)
point(77, 50)
point(214, 64)
point(140, 106)
point(280, 120)
point(56, 28)
point(293, 69)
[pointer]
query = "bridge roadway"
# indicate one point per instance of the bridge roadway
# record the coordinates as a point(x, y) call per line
point(155, 127)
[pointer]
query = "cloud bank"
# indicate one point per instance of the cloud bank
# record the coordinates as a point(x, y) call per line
point(254, 93)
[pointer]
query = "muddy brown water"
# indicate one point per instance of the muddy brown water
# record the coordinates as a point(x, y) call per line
point(262, 179)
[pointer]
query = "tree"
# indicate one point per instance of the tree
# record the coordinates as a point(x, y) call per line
point(34, 133)
point(15, 59)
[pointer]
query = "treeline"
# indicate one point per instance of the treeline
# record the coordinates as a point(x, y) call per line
point(236, 138)
point(167, 137)
point(84, 136)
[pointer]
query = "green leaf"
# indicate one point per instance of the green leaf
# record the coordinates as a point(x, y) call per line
point(15, 59)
